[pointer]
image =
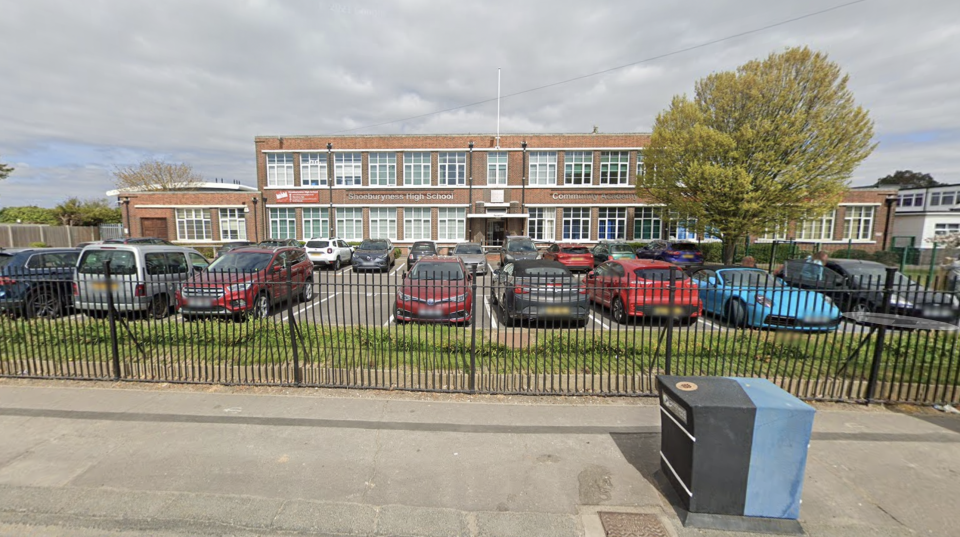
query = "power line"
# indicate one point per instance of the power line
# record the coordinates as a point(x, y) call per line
point(605, 71)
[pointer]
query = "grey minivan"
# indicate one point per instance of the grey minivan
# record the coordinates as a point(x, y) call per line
point(144, 278)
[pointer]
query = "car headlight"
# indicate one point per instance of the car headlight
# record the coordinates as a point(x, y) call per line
point(460, 298)
point(897, 300)
point(764, 301)
point(238, 287)
point(404, 297)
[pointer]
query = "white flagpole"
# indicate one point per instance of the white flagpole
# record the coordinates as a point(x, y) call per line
point(498, 108)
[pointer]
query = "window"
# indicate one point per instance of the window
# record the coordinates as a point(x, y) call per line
point(233, 225)
point(451, 224)
point(777, 233)
point(316, 222)
point(543, 168)
point(819, 229)
point(348, 168)
point(194, 225)
point(416, 223)
point(383, 223)
point(640, 168)
point(159, 264)
point(943, 229)
point(576, 224)
point(578, 168)
point(496, 168)
point(612, 224)
point(682, 229)
point(350, 224)
point(647, 225)
point(614, 167)
point(858, 223)
point(283, 223)
point(279, 169)
point(313, 169)
point(543, 224)
point(452, 169)
point(416, 169)
point(937, 199)
point(383, 169)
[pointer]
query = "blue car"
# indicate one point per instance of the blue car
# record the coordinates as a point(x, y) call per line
point(680, 253)
point(750, 297)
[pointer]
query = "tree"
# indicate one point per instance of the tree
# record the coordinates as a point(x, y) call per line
point(27, 215)
point(908, 179)
point(74, 212)
point(156, 175)
point(947, 240)
point(5, 171)
point(773, 142)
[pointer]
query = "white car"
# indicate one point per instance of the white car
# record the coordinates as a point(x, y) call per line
point(329, 252)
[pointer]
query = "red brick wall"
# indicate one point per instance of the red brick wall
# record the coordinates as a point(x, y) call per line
point(171, 200)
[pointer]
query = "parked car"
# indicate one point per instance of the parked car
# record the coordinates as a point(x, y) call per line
point(857, 286)
point(279, 243)
point(471, 253)
point(138, 240)
point(641, 288)
point(329, 252)
point(247, 282)
point(517, 248)
point(37, 282)
point(227, 247)
point(145, 277)
point(437, 289)
point(419, 250)
point(572, 256)
point(374, 254)
point(605, 251)
point(679, 253)
point(751, 297)
point(539, 289)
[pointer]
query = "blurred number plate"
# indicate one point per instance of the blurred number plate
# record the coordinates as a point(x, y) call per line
point(664, 310)
point(431, 312)
point(102, 286)
point(688, 256)
point(557, 310)
point(199, 302)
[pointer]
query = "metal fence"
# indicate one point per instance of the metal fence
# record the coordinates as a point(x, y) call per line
point(387, 331)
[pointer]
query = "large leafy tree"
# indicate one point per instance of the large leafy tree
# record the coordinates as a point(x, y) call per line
point(76, 212)
point(908, 179)
point(774, 141)
point(156, 175)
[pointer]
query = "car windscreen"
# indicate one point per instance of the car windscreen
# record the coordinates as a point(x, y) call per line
point(621, 249)
point(874, 276)
point(317, 244)
point(658, 274)
point(539, 272)
point(575, 250)
point(468, 249)
point(4, 259)
point(521, 246)
point(241, 262)
point(749, 278)
point(122, 262)
point(424, 248)
point(373, 245)
point(436, 271)
point(684, 247)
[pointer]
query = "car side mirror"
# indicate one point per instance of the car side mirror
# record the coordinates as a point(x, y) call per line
point(404, 275)
point(198, 268)
point(712, 281)
point(469, 276)
point(591, 275)
point(496, 273)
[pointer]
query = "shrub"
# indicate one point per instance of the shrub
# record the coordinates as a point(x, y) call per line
point(39, 245)
point(852, 254)
point(887, 257)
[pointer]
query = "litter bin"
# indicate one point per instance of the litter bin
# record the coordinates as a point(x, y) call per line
point(734, 450)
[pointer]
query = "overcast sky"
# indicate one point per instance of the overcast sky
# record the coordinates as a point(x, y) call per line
point(90, 85)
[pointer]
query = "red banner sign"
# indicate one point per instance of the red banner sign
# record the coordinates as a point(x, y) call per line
point(298, 196)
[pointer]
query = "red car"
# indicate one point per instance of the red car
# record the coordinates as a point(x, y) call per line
point(641, 288)
point(572, 256)
point(437, 289)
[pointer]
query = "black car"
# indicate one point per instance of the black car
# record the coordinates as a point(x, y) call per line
point(538, 290)
point(37, 282)
point(518, 248)
point(858, 286)
point(420, 249)
point(279, 243)
point(139, 240)
point(233, 246)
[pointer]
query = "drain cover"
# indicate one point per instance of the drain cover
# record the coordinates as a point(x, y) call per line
point(632, 525)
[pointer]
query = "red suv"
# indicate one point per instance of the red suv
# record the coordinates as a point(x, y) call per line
point(247, 282)
point(437, 289)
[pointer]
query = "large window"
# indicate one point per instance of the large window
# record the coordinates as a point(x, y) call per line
point(576, 223)
point(283, 223)
point(451, 224)
point(858, 223)
point(543, 168)
point(818, 229)
point(943, 229)
point(578, 168)
point(916, 200)
point(383, 169)
point(348, 168)
point(543, 223)
point(682, 229)
point(383, 223)
point(452, 169)
point(647, 225)
point(939, 198)
point(614, 167)
point(416, 169)
point(279, 169)
point(496, 168)
point(350, 224)
point(612, 224)
point(316, 222)
point(416, 223)
point(194, 225)
point(640, 168)
point(313, 169)
point(233, 226)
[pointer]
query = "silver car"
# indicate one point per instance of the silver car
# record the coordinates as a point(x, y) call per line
point(471, 253)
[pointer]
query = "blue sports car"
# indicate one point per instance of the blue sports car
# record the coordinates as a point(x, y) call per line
point(752, 297)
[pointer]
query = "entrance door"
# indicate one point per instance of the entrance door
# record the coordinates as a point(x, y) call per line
point(496, 233)
point(154, 227)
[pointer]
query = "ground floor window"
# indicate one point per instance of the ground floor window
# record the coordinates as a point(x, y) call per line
point(283, 223)
point(383, 223)
point(316, 222)
point(416, 223)
point(350, 224)
point(576, 223)
point(647, 225)
point(682, 229)
point(233, 225)
point(194, 225)
point(943, 229)
point(542, 224)
point(818, 229)
point(776, 233)
point(858, 223)
point(612, 224)
point(451, 224)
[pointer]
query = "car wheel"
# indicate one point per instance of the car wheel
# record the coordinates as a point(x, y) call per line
point(508, 320)
point(261, 306)
point(43, 304)
point(861, 308)
point(307, 294)
point(159, 307)
point(493, 298)
point(618, 311)
point(336, 264)
point(736, 314)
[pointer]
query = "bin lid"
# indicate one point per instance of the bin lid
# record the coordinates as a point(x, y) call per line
point(729, 392)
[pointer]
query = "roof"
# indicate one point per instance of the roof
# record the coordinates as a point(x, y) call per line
point(572, 245)
point(643, 263)
point(153, 189)
point(535, 263)
point(440, 259)
point(257, 249)
point(851, 262)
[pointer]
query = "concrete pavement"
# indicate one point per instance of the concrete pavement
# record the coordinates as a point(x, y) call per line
point(98, 459)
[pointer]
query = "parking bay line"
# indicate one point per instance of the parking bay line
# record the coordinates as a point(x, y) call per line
point(493, 320)
point(598, 322)
point(310, 305)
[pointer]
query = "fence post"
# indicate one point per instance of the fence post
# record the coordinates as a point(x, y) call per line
point(903, 258)
point(667, 366)
point(112, 321)
point(293, 326)
point(849, 247)
point(473, 331)
point(881, 334)
point(773, 255)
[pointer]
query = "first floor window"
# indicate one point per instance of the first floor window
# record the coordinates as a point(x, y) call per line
point(576, 223)
point(943, 229)
point(283, 223)
point(348, 168)
point(279, 169)
point(496, 168)
point(313, 169)
point(452, 169)
point(858, 223)
point(416, 169)
point(614, 167)
point(451, 224)
point(612, 224)
point(543, 223)
point(316, 222)
point(194, 225)
point(383, 169)
point(350, 224)
point(543, 168)
point(383, 223)
point(416, 223)
point(647, 225)
point(578, 168)
point(233, 225)
point(818, 229)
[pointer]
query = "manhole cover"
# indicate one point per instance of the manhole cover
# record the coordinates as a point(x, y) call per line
point(632, 525)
